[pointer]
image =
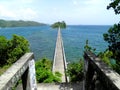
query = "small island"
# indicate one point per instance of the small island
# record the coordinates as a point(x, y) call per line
point(19, 23)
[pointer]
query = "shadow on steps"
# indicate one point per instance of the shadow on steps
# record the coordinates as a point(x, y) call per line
point(60, 86)
point(57, 86)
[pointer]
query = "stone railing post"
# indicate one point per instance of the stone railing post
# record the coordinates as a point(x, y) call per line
point(88, 74)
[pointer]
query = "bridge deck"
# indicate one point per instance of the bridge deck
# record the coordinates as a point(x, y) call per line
point(59, 57)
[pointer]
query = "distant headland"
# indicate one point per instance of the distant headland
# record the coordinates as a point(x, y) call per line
point(19, 23)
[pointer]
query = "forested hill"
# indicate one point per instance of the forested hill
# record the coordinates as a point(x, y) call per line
point(20, 23)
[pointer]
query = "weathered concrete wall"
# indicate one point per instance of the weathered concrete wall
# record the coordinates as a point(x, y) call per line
point(15, 72)
point(98, 75)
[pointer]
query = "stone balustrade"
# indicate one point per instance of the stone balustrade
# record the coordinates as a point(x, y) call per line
point(98, 75)
point(19, 70)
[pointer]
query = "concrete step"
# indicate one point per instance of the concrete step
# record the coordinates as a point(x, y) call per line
point(61, 86)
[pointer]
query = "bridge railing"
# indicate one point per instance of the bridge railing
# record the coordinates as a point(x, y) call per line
point(19, 70)
point(98, 75)
point(59, 36)
point(64, 58)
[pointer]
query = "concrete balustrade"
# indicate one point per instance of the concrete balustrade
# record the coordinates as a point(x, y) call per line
point(19, 70)
point(98, 75)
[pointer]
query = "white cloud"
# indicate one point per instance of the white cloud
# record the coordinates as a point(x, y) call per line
point(27, 14)
point(75, 2)
point(82, 11)
point(22, 13)
point(93, 2)
point(5, 12)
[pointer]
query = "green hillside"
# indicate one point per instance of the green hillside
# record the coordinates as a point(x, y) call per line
point(20, 23)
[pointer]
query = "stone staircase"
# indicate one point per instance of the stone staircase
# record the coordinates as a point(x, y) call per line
point(61, 86)
point(57, 86)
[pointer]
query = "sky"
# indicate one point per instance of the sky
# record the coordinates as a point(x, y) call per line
point(73, 12)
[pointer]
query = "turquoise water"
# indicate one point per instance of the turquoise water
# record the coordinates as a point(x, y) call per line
point(42, 39)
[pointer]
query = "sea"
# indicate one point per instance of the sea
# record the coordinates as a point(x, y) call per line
point(42, 39)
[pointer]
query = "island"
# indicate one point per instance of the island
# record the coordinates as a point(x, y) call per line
point(19, 23)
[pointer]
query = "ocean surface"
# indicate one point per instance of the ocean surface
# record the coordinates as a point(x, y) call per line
point(42, 39)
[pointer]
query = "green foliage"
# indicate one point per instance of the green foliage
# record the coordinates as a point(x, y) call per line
point(3, 69)
point(11, 50)
point(44, 73)
point(18, 46)
point(3, 50)
point(59, 25)
point(115, 4)
point(2, 23)
point(58, 74)
point(88, 48)
point(113, 38)
point(75, 71)
point(20, 23)
point(116, 67)
point(106, 56)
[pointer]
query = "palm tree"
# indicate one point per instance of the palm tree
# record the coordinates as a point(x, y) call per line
point(59, 25)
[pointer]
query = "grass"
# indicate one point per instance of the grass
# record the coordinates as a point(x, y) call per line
point(3, 69)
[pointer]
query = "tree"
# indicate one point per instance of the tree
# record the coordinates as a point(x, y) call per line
point(113, 38)
point(12, 50)
point(59, 25)
point(115, 4)
point(2, 23)
point(113, 35)
point(20, 23)
point(3, 50)
point(18, 46)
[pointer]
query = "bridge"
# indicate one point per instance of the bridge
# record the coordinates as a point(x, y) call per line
point(59, 63)
point(97, 75)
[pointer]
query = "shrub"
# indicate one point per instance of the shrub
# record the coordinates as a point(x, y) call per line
point(75, 71)
point(44, 73)
point(18, 46)
point(106, 56)
point(12, 50)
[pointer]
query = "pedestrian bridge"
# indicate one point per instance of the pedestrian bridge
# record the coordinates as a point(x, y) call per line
point(97, 75)
point(59, 63)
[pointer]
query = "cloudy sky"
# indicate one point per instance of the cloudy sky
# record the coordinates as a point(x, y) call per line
point(85, 12)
